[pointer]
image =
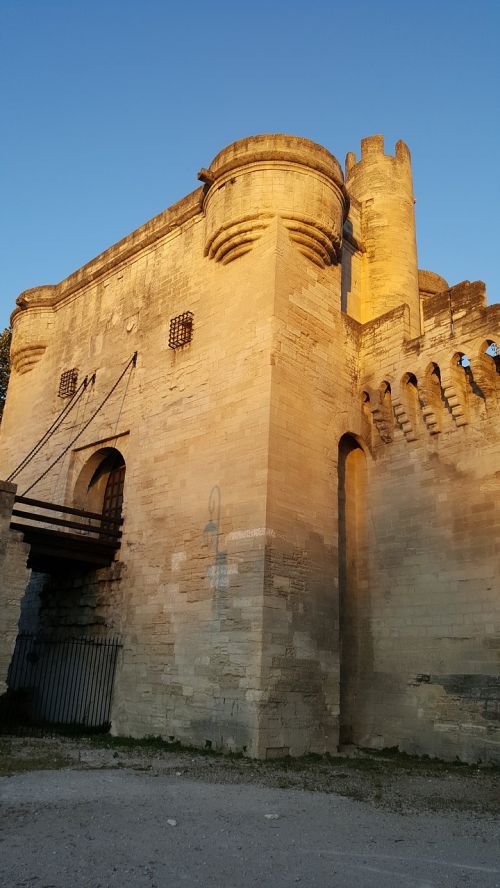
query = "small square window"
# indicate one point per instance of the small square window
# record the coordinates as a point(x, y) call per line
point(181, 330)
point(67, 383)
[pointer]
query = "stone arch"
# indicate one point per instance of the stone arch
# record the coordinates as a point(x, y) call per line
point(409, 379)
point(354, 638)
point(431, 398)
point(411, 404)
point(463, 379)
point(385, 394)
point(75, 602)
point(460, 359)
point(491, 348)
point(486, 367)
point(100, 483)
point(366, 416)
point(460, 363)
point(381, 411)
point(409, 387)
point(359, 441)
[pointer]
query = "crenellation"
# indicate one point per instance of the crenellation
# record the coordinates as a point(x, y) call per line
point(370, 146)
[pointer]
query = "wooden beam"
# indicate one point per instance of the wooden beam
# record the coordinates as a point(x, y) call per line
point(40, 504)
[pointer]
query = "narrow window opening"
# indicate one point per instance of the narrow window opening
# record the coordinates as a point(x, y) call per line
point(493, 352)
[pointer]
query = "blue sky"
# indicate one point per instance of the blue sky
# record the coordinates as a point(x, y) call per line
point(109, 109)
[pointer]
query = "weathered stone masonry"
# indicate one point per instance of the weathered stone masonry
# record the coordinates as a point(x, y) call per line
point(311, 544)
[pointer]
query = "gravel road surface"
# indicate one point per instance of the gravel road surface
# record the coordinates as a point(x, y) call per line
point(107, 827)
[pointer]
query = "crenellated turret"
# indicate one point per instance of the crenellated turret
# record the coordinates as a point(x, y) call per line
point(383, 186)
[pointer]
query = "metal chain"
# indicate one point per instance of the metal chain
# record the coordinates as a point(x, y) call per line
point(53, 428)
point(132, 362)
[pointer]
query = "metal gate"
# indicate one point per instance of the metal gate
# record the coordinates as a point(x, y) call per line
point(61, 681)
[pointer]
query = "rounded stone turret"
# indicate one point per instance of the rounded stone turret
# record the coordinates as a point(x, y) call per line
point(430, 283)
point(383, 186)
point(31, 327)
point(256, 179)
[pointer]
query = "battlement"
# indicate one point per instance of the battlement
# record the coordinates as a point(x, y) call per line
point(372, 150)
point(453, 369)
point(381, 184)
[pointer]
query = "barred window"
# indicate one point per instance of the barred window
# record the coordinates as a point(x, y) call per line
point(181, 330)
point(67, 383)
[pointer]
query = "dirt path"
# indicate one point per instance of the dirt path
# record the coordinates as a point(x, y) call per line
point(105, 814)
point(395, 782)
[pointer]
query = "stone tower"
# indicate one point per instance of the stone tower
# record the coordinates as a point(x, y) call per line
point(383, 186)
point(308, 449)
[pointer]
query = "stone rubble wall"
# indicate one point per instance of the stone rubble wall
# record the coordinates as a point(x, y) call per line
point(14, 576)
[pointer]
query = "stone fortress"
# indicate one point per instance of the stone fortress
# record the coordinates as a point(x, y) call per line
point(310, 470)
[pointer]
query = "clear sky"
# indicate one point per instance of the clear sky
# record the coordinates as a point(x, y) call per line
point(109, 109)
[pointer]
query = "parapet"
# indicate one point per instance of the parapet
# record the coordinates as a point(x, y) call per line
point(31, 329)
point(445, 307)
point(276, 147)
point(372, 149)
point(50, 295)
point(430, 283)
point(266, 176)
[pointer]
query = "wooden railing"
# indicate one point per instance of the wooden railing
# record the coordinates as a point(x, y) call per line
point(60, 534)
point(93, 524)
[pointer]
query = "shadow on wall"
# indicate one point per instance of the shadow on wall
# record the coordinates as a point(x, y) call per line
point(346, 276)
point(217, 569)
point(356, 645)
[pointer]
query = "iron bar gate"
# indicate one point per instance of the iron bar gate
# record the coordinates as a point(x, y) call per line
point(61, 681)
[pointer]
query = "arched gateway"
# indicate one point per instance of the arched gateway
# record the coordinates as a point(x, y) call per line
point(100, 484)
point(353, 584)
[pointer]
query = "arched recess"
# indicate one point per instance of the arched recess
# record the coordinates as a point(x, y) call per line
point(100, 484)
point(355, 648)
point(487, 367)
point(492, 349)
point(431, 398)
point(409, 386)
point(411, 404)
point(386, 405)
point(463, 378)
point(366, 417)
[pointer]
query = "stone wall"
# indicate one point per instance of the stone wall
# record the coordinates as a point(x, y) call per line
point(432, 681)
point(311, 487)
point(186, 422)
point(193, 427)
point(382, 188)
point(14, 576)
point(74, 604)
point(314, 382)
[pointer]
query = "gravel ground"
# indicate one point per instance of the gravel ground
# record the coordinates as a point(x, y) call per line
point(105, 813)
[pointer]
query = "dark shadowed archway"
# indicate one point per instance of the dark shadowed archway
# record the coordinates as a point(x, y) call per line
point(353, 584)
point(100, 484)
